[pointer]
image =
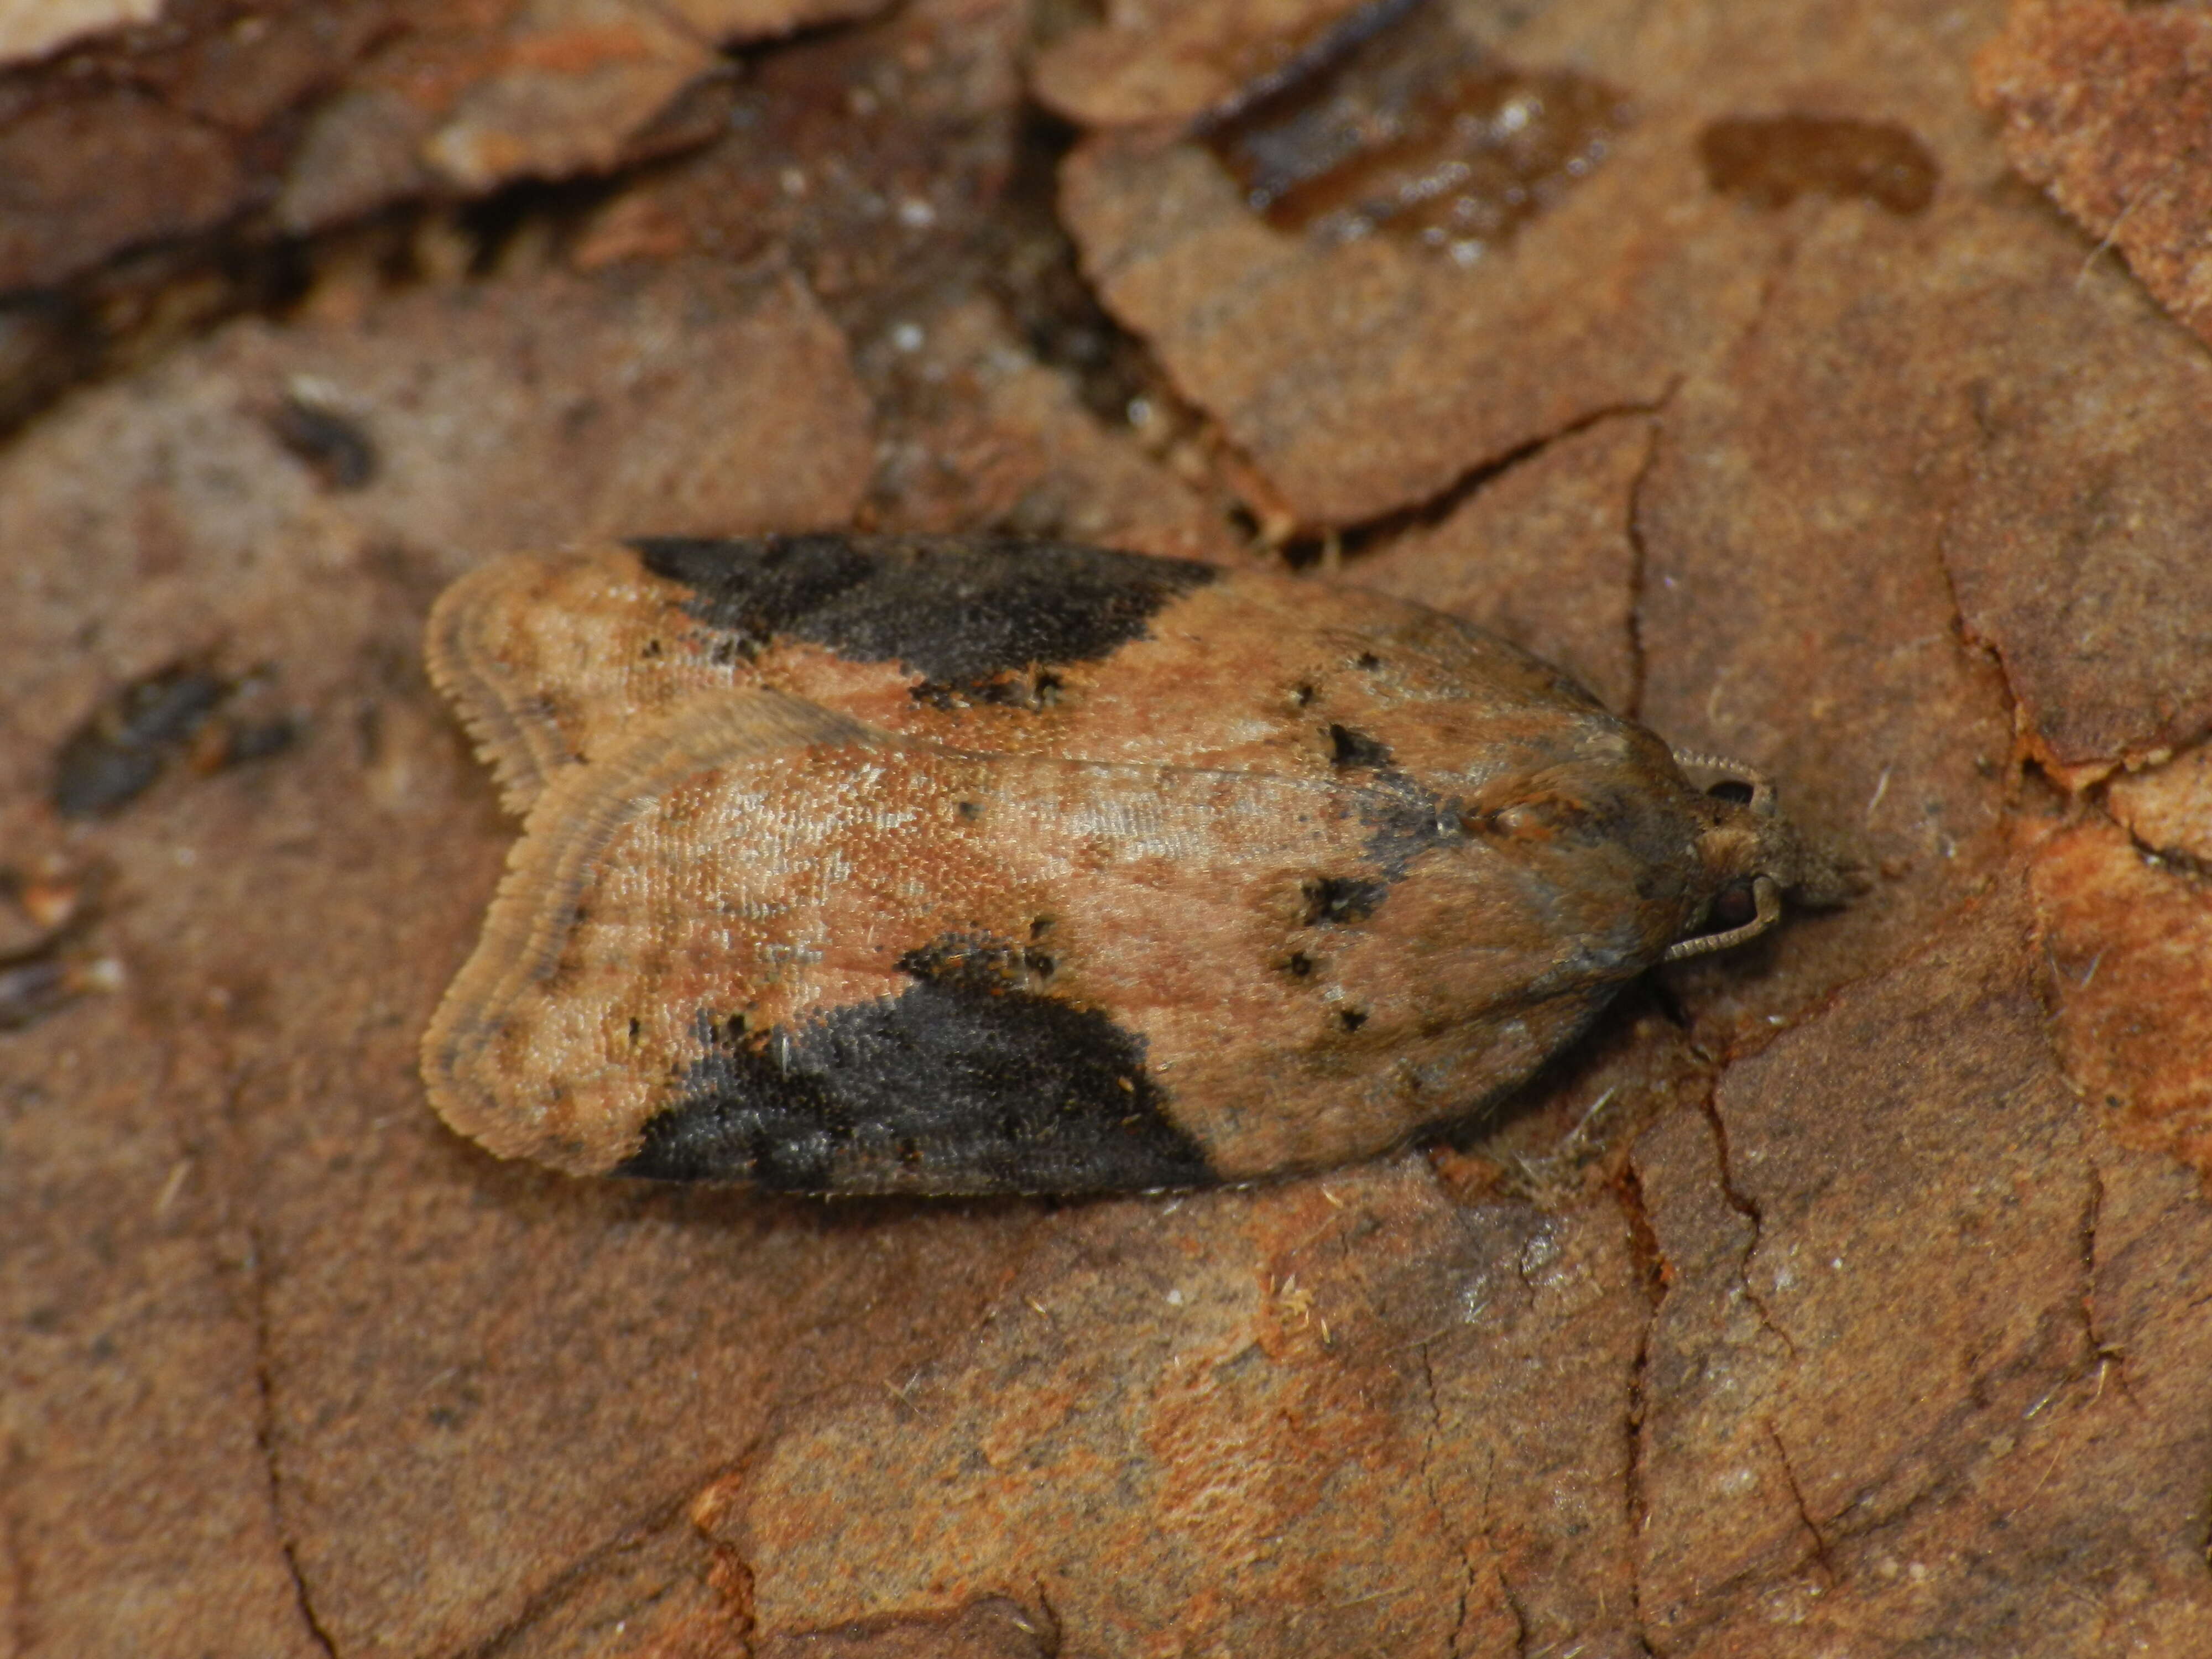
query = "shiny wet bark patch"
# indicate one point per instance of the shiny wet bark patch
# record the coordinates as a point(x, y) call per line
point(185, 710)
point(1412, 131)
point(330, 442)
point(1771, 160)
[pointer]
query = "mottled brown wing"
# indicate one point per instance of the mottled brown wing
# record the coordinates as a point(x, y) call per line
point(554, 658)
point(705, 909)
point(1015, 647)
point(558, 658)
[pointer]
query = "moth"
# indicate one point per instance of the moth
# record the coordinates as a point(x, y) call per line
point(962, 864)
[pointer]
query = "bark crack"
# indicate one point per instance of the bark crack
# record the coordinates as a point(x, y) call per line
point(265, 1438)
point(1643, 1245)
point(1054, 1635)
point(2177, 858)
point(1640, 558)
point(662, 1517)
point(1435, 1501)
point(1747, 1206)
point(14, 1558)
point(1359, 536)
point(2102, 1352)
point(1975, 648)
point(224, 1123)
point(1820, 1556)
point(1461, 1542)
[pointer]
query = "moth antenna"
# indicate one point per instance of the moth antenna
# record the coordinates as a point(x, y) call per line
point(1762, 785)
point(1768, 892)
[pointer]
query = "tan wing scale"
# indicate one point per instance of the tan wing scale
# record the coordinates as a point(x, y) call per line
point(477, 1083)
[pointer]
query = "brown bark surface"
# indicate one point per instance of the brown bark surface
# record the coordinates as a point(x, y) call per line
point(2103, 105)
point(157, 121)
point(1838, 1294)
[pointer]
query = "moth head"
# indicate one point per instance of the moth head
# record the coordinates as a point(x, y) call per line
point(1753, 859)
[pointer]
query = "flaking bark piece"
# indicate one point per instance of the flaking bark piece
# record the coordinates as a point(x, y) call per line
point(2168, 809)
point(2129, 936)
point(1543, 554)
point(94, 172)
point(329, 111)
point(550, 88)
point(2076, 546)
point(1880, 1325)
point(1362, 373)
point(2105, 105)
point(1337, 1416)
point(1169, 61)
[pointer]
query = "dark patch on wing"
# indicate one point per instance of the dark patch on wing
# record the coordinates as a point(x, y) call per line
point(1349, 748)
point(1339, 899)
point(1030, 689)
point(977, 962)
point(959, 1084)
point(1770, 160)
point(975, 616)
point(1404, 821)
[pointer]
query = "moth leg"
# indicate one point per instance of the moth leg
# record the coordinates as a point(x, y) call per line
point(1761, 785)
point(1768, 892)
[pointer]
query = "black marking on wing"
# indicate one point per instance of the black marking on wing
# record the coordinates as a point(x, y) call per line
point(975, 616)
point(1404, 820)
point(1338, 900)
point(958, 1085)
point(1348, 748)
point(978, 963)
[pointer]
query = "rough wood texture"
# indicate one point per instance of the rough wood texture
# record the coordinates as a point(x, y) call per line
point(2103, 105)
point(153, 123)
point(1820, 1302)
